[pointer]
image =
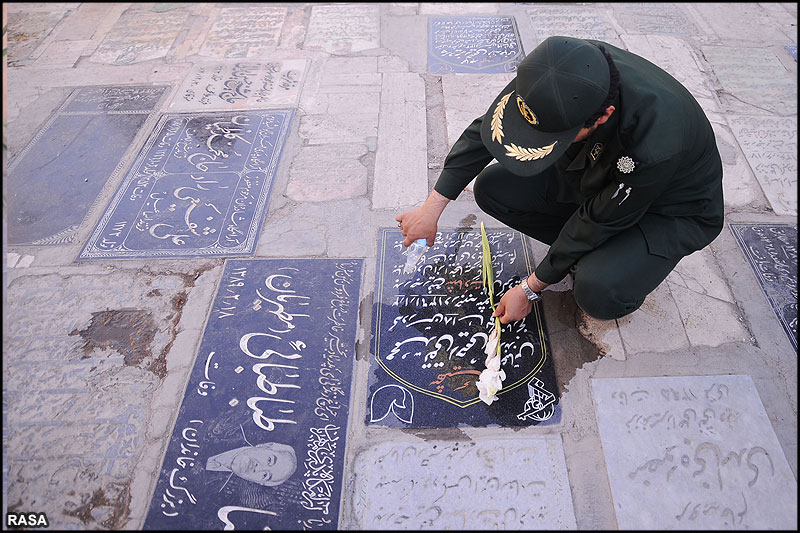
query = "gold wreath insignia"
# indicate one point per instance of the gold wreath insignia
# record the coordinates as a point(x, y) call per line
point(528, 154)
point(497, 119)
point(526, 112)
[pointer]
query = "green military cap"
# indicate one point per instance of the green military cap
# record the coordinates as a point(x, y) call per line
point(558, 86)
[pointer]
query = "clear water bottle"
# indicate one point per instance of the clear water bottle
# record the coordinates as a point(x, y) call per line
point(415, 251)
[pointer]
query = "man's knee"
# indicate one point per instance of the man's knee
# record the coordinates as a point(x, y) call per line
point(603, 301)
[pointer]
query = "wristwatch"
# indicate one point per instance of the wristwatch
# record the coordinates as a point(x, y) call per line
point(532, 296)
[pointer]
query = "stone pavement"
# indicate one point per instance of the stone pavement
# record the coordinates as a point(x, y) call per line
point(286, 136)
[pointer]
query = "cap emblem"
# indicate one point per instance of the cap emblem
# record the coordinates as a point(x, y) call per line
point(625, 164)
point(526, 112)
point(497, 119)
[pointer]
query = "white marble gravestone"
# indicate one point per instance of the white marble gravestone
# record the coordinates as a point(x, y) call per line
point(693, 452)
point(343, 29)
point(770, 146)
point(488, 484)
point(583, 23)
point(244, 32)
point(140, 35)
point(244, 84)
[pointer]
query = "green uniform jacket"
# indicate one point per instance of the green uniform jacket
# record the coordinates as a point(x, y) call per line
point(673, 193)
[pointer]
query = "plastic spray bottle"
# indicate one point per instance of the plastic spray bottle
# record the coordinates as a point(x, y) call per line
point(415, 251)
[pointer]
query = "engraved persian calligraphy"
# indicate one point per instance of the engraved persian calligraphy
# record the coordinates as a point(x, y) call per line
point(473, 44)
point(140, 35)
point(490, 484)
point(260, 437)
point(771, 251)
point(48, 211)
point(694, 452)
point(199, 187)
point(244, 32)
point(343, 29)
point(240, 85)
point(430, 328)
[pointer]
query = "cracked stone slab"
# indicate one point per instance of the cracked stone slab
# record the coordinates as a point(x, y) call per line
point(328, 172)
point(771, 251)
point(693, 452)
point(655, 326)
point(770, 146)
point(244, 32)
point(27, 30)
point(259, 441)
point(199, 187)
point(82, 356)
point(486, 484)
point(754, 79)
point(343, 29)
point(241, 85)
point(471, 44)
point(44, 211)
point(430, 329)
point(587, 23)
point(140, 35)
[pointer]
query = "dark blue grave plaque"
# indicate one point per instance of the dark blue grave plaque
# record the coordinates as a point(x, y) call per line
point(259, 441)
point(792, 49)
point(429, 332)
point(56, 179)
point(199, 187)
point(473, 44)
point(771, 250)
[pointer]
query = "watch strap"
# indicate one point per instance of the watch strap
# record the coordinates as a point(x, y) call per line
point(532, 296)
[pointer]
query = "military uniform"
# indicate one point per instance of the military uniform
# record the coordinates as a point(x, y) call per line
point(619, 209)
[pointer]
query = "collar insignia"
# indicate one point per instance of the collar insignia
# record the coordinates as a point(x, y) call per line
point(526, 112)
point(625, 164)
point(596, 150)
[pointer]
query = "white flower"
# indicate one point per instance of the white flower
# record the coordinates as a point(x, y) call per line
point(489, 382)
point(491, 344)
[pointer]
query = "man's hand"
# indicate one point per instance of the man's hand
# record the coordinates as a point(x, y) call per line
point(422, 223)
point(514, 305)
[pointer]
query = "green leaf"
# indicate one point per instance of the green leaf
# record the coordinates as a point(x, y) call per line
point(487, 276)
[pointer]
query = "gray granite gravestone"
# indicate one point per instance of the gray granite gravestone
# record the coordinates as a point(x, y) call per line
point(473, 44)
point(771, 251)
point(57, 177)
point(693, 452)
point(140, 35)
point(430, 329)
point(259, 442)
point(199, 187)
point(244, 32)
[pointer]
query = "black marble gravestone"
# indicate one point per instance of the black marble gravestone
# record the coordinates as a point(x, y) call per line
point(200, 187)
point(771, 251)
point(56, 179)
point(259, 441)
point(429, 332)
point(473, 44)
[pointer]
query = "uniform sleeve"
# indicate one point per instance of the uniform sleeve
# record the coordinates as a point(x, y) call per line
point(617, 207)
point(466, 159)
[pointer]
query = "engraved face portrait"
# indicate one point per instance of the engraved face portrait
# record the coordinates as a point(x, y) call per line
point(268, 464)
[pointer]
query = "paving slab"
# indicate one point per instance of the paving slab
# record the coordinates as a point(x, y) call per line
point(140, 35)
point(220, 164)
point(237, 85)
point(693, 452)
point(244, 32)
point(770, 146)
point(430, 329)
point(265, 451)
point(485, 484)
point(343, 29)
point(473, 44)
point(49, 211)
point(771, 251)
point(655, 19)
point(27, 30)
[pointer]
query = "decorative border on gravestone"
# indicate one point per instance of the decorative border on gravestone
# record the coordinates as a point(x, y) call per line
point(89, 105)
point(430, 328)
point(199, 188)
point(241, 85)
point(259, 441)
point(487, 44)
point(771, 251)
